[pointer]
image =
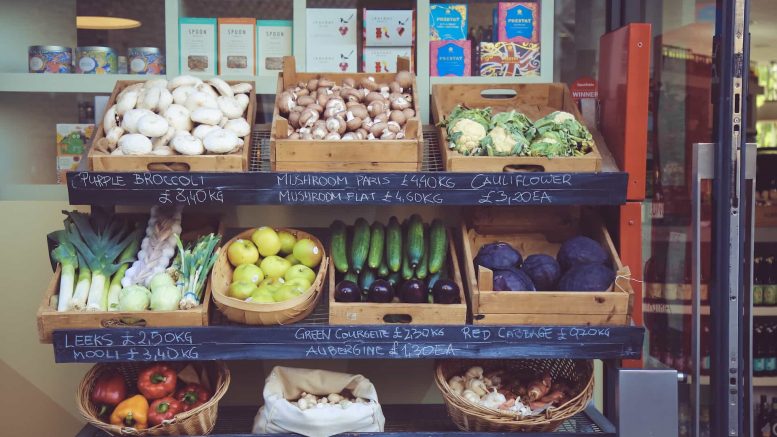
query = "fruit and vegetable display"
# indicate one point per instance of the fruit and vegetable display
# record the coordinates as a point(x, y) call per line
point(160, 392)
point(580, 265)
point(479, 132)
point(322, 109)
point(396, 262)
point(342, 400)
point(112, 263)
point(184, 115)
point(273, 265)
point(501, 389)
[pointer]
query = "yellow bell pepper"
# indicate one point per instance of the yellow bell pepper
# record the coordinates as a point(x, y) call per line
point(131, 412)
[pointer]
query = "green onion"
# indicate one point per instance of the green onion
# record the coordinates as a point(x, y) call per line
point(65, 254)
point(194, 265)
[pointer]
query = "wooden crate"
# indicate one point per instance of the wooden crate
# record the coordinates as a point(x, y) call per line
point(232, 162)
point(542, 230)
point(344, 156)
point(49, 319)
point(370, 313)
point(534, 100)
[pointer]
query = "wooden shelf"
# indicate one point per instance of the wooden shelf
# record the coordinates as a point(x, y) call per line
point(685, 309)
point(403, 421)
point(758, 381)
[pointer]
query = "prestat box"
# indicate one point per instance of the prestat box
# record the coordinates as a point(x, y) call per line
point(447, 22)
point(509, 59)
point(519, 22)
point(450, 58)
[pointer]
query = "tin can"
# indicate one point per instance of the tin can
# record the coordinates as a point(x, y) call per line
point(96, 60)
point(123, 69)
point(50, 59)
point(146, 60)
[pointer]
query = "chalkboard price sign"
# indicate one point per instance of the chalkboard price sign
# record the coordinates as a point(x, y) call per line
point(429, 188)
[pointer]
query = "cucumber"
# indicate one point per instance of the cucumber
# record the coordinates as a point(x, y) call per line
point(438, 245)
point(394, 245)
point(377, 241)
point(415, 240)
point(339, 251)
point(366, 278)
point(351, 276)
point(360, 245)
point(407, 270)
point(383, 270)
point(422, 269)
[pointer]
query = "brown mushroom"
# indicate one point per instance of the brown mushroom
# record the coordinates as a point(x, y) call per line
point(353, 123)
point(349, 82)
point(322, 99)
point(381, 118)
point(349, 136)
point(369, 83)
point(294, 136)
point(400, 103)
point(294, 119)
point(361, 133)
point(393, 126)
point(376, 107)
point(367, 123)
point(316, 107)
point(373, 96)
point(336, 124)
point(395, 87)
point(308, 117)
point(335, 102)
point(359, 111)
point(286, 102)
point(397, 116)
point(306, 136)
point(305, 100)
point(325, 83)
point(319, 130)
point(302, 92)
point(409, 113)
point(312, 85)
point(405, 79)
point(378, 128)
point(332, 136)
point(387, 135)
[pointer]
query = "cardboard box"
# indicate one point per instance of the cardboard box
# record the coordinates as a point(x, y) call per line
point(384, 59)
point(331, 40)
point(519, 22)
point(392, 28)
point(197, 45)
point(509, 59)
point(450, 58)
point(237, 46)
point(273, 42)
point(448, 22)
point(72, 140)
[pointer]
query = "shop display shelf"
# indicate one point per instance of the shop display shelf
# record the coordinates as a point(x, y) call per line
point(63, 83)
point(404, 421)
point(758, 381)
point(431, 186)
point(704, 310)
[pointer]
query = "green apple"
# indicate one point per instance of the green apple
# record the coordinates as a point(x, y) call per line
point(300, 271)
point(287, 292)
point(270, 284)
point(259, 261)
point(242, 252)
point(267, 241)
point(262, 296)
point(287, 242)
point(300, 282)
point(241, 290)
point(290, 258)
point(307, 252)
point(274, 266)
point(248, 273)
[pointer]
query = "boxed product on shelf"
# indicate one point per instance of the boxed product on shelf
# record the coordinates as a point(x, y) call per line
point(237, 46)
point(533, 231)
point(519, 22)
point(447, 21)
point(293, 149)
point(49, 319)
point(72, 140)
point(330, 35)
point(384, 59)
point(535, 101)
point(373, 313)
point(103, 158)
point(388, 28)
point(450, 58)
point(273, 42)
point(198, 49)
point(509, 59)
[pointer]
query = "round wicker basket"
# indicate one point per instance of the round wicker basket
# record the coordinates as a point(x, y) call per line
point(281, 313)
point(468, 416)
point(197, 421)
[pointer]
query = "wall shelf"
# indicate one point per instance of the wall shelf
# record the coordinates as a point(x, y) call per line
point(63, 83)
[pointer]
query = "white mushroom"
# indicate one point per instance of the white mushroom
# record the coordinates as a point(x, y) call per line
point(199, 99)
point(203, 129)
point(241, 88)
point(230, 107)
point(127, 102)
point(223, 121)
point(135, 144)
point(134, 87)
point(184, 80)
point(153, 83)
point(113, 135)
point(130, 120)
point(222, 87)
point(221, 141)
point(165, 100)
point(207, 89)
point(109, 119)
point(243, 100)
point(239, 126)
point(152, 125)
point(164, 140)
point(180, 94)
point(187, 144)
point(117, 152)
point(162, 151)
point(178, 117)
point(206, 116)
point(149, 98)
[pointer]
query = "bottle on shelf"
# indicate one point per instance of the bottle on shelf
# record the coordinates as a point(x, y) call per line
point(758, 353)
point(705, 348)
point(758, 281)
point(770, 357)
point(763, 419)
point(770, 290)
point(773, 418)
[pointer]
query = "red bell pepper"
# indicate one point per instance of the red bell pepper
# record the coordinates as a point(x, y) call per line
point(163, 409)
point(157, 381)
point(108, 391)
point(192, 396)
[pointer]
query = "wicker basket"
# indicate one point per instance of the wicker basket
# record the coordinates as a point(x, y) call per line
point(197, 421)
point(467, 416)
point(281, 313)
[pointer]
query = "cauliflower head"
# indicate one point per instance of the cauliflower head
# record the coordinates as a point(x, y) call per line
point(466, 129)
point(502, 141)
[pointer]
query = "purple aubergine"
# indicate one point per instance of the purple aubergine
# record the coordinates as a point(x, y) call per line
point(413, 291)
point(380, 291)
point(347, 291)
point(446, 291)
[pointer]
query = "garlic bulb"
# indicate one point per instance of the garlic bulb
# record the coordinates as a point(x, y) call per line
point(471, 396)
point(478, 386)
point(334, 398)
point(456, 384)
point(493, 400)
point(305, 404)
point(474, 372)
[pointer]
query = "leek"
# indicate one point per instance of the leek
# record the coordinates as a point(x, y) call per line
point(126, 258)
point(194, 264)
point(65, 254)
point(78, 301)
